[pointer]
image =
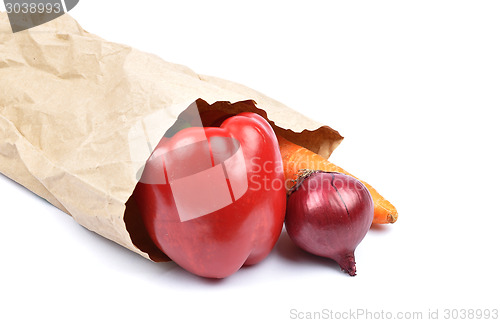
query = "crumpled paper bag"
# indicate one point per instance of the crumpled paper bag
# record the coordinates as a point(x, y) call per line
point(79, 116)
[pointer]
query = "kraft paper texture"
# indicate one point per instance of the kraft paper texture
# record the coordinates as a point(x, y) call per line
point(79, 117)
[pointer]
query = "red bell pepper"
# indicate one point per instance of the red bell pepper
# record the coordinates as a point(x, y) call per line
point(213, 199)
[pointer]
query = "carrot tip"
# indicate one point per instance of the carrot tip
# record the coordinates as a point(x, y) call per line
point(391, 218)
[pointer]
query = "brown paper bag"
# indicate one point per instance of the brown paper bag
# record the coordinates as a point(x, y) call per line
point(79, 116)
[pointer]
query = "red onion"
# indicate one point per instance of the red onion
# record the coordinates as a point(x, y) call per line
point(328, 214)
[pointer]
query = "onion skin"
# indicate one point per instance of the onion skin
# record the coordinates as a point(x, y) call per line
point(328, 214)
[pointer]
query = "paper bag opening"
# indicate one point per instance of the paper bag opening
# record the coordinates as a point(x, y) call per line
point(202, 114)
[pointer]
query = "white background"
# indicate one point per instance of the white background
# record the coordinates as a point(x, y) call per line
point(413, 86)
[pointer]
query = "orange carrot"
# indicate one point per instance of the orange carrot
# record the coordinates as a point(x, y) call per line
point(296, 158)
